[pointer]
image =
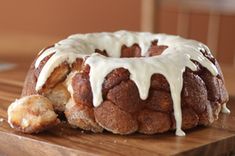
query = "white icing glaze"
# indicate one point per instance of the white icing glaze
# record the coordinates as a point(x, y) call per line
point(225, 109)
point(171, 63)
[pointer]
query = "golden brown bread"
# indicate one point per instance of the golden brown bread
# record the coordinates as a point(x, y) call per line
point(123, 111)
point(59, 97)
point(32, 114)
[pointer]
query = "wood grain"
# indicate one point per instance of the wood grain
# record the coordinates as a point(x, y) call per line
point(219, 139)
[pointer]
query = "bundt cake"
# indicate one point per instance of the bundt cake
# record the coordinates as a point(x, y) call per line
point(122, 82)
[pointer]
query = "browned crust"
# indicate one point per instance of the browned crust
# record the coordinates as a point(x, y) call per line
point(151, 122)
point(81, 116)
point(30, 82)
point(114, 119)
point(122, 110)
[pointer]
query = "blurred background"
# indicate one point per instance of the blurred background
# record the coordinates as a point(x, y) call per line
point(26, 26)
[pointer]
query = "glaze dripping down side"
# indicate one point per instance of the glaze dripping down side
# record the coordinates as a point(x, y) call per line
point(171, 63)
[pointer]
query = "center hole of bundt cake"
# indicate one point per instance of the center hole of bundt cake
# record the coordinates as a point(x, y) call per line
point(135, 50)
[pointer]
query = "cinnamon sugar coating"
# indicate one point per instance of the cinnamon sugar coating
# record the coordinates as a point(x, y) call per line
point(122, 110)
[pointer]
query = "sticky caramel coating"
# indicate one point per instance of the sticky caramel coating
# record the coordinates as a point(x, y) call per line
point(125, 96)
point(122, 111)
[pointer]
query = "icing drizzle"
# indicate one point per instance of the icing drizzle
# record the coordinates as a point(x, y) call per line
point(171, 63)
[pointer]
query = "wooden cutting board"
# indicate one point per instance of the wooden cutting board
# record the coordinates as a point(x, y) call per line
point(219, 139)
